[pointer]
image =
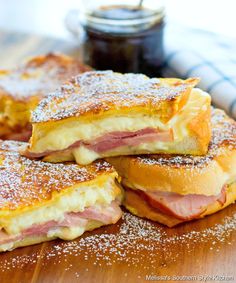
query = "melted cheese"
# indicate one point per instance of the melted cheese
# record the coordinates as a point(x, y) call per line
point(70, 233)
point(65, 233)
point(84, 155)
point(77, 200)
point(72, 131)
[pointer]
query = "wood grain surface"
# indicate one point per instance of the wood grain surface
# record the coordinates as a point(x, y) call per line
point(133, 249)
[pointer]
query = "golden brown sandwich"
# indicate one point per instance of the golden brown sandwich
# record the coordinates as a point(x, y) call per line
point(172, 189)
point(22, 88)
point(101, 114)
point(43, 201)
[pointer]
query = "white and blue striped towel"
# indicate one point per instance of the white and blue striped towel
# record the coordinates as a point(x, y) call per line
point(212, 58)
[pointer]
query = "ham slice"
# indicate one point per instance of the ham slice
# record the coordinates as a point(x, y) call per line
point(23, 136)
point(116, 139)
point(184, 207)
point(109, 215)
point(5, 238)
point(19, 134)
point(105, 214)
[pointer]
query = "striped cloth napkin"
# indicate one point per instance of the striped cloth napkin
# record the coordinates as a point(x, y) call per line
point(212, 58)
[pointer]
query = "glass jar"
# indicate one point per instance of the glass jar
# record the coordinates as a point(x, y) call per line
point(124, 36)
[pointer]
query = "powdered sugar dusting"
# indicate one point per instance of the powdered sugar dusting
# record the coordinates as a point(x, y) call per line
point(25, 182)
point(99, 91)
point(39, 76)
point(133, 239)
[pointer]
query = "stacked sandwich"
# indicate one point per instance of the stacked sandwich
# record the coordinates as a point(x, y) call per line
point(41, 201)
point(174, 155)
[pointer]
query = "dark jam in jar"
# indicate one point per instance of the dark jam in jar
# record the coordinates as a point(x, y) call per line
point(124, 39)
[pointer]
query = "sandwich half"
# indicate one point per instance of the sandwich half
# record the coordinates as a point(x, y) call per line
point(43, 201)
point(22, 88)
point(172, 189)
point(101, 114)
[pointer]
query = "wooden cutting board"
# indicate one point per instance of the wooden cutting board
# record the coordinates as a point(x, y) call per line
point(133, 250)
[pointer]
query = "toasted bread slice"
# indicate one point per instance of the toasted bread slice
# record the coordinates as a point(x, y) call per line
point(164, 187)
point(22, 88)
point(102, 114)
point(42, 201)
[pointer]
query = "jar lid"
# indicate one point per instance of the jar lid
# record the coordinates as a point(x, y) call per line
point(121, 18)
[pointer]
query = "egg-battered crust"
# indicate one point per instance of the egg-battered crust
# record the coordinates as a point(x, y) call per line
point(99, 93)
point(28, 183)
point(38, 76)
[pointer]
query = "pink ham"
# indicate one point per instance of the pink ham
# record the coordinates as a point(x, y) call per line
point(113, 140)
point(118, 139)
point(104, 214)
point(73, 219)
point(5, 238)
point(19, 134)
point(184, 207)
point(23, 136)
point(70, 219)
point(40, 228)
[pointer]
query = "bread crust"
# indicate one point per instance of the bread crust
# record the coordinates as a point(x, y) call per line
point(185, 174)
point(200, 129)
point(99, 93)
point(26, 184)
point(38, 76)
